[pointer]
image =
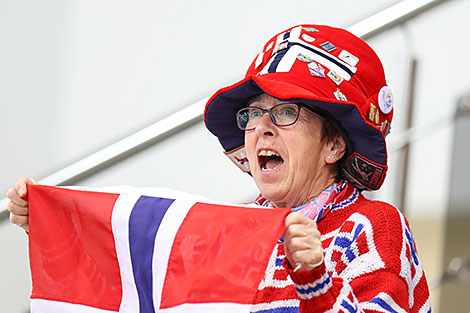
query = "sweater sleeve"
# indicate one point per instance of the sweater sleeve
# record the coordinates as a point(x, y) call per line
point(370, 265)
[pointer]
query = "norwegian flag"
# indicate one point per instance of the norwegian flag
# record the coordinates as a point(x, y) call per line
point(125, 249)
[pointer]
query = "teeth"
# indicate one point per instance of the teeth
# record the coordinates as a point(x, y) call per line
point(267, 153)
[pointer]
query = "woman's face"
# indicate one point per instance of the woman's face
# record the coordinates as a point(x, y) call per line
point(289, 163)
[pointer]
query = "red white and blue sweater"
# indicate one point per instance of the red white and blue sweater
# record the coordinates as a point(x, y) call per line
point(370, 264)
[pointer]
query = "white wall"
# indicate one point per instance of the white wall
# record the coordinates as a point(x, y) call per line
point(77, 75)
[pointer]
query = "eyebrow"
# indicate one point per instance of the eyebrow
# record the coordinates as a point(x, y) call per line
point(253, 99)
point(256, 98)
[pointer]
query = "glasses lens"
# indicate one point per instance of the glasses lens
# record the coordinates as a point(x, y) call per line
point(248, 117)
point(285, 114)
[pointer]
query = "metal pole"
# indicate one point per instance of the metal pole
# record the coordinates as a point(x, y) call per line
point(393, 16)
point(401, 186)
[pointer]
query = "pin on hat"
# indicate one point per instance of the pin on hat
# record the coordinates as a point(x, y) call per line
point(308, 38)
point(316, 70)
point(372, 111)
point(310, 29)
point(348, 58)
point(328, 46)
point(385, 99)
point(339, 95)
point(335, 77)
point(304, 58)
point(385, 127)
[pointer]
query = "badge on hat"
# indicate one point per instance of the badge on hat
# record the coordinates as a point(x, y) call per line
point(238, 156)
point(348, 58)
point(385, 99)
point(385, 128)
point(372, 112)
point(328, 46)
point(335, 77)
point(363, 171)
point(339, 95)
point(308, 38)
point(304, 58)
point(310, 29)
point(316, 70)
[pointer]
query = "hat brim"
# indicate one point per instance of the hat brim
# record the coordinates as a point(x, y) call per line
point(221, 109)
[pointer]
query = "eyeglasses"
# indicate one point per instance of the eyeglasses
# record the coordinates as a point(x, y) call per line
point(284, 114)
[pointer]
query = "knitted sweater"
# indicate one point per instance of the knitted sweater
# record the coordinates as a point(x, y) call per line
point(370, 265)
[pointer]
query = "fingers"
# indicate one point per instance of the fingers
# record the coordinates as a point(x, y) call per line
point(307, 256)
point(18, 206)
point(302, 241)
point(20, 220)
point(296, 218)
point(297, 225)
point(21, 183)
point(15, 198)
point(301, 230)
point(303, 249)
point(16, 209)
point(17, 192)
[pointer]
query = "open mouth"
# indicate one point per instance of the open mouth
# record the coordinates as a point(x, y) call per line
point(269, 160)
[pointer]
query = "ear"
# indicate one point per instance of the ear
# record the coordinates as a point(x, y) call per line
point(335, 149)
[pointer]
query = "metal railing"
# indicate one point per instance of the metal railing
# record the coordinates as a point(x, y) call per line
point(367, 28)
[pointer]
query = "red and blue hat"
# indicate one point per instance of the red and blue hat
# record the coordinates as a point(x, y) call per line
point(327, 68)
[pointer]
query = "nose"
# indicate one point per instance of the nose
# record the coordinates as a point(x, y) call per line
point(266, 127)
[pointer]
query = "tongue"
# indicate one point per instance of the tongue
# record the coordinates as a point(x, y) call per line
point(272, 163)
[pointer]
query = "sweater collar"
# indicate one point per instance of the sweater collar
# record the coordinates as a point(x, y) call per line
point(321, 205)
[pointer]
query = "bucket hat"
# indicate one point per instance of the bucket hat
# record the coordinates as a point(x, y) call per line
point(330, 70)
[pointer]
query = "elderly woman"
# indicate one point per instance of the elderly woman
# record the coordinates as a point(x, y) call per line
point(308, 122)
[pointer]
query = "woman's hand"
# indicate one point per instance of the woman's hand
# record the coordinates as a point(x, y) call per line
point(302, 242)
point(18, 207)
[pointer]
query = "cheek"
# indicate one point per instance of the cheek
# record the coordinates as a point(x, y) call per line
point(249, 146)
point(306, 147)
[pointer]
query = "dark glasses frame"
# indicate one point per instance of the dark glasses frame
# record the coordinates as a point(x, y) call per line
point(272, 117)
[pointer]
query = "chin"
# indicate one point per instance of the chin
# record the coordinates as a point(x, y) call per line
point(273, 193)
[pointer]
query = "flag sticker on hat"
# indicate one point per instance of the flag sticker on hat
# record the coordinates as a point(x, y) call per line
point(316, 70)
point(385, 99)
point(308, 38)
point(339, 95)
point(328, 46)
point(348, 58)
point(335, 77)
